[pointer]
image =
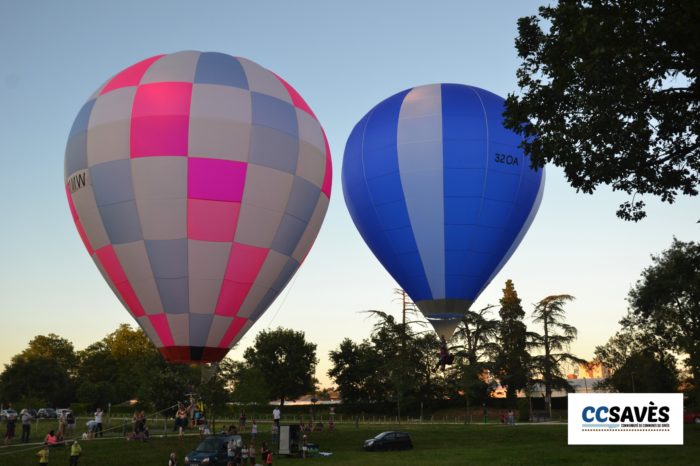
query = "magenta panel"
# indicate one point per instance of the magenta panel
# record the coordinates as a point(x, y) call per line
point(160, 324)
point(215, 179)
point(328, 177)
point(130, 298)
point(130, 76)
point(231, 298)
point(245, 262)
point(167, 99)
point(78, 225)
point(212, 220)
point(159, 136)
point(232, 331)
point(110, 263)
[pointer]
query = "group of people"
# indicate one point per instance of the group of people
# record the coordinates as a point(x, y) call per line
point(75, 451)
point(243, 454)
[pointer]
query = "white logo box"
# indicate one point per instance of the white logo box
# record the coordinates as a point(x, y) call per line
point(625, 419)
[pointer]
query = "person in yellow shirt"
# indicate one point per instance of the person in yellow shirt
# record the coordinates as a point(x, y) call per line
point(75, 452)
point(43, 455)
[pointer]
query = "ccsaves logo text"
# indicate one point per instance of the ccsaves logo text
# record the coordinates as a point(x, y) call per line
point(625, 418)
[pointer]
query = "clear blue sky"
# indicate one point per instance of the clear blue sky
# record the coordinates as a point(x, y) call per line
point(343, 57)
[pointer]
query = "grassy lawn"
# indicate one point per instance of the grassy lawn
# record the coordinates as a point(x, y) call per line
point(434, 444)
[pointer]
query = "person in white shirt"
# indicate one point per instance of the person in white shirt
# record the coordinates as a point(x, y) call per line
point(276, 416)
point(98, 420)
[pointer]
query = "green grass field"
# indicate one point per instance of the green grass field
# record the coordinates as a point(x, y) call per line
point(492, 444)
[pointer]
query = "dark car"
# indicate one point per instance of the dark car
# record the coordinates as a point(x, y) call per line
point(389, 441)
point(46, 413)
point(212, 451)
point(692, 416)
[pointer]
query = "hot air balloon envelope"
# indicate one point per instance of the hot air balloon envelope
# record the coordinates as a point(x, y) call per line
point(198, 183)
point(441, 193)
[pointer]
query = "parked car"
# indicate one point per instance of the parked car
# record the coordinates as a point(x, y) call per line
point(691, 416)
point(212, 451)
point(9, 412)
point(46, 413)
point(389, 441)
point(62, 412)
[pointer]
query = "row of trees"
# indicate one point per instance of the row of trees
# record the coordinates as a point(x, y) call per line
point(397, 363)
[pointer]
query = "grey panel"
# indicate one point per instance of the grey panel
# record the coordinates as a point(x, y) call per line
point(121, 221)
point(310, 130)
point(273, 149)
point(312, 229)
point(274, 113)
point(271, 268)
point(163, 218)
point(257, 226)
point(89, 216)
point(252, 300)
point(111, 182)
point(179, 329)
point(208, 259)
point(266, 187)
point(76, 154)
point(134, 260)
point(219, 139)
point(303, 199)
point(199, 329)
point(241, 333)
point(311, 164)
point(421, 165)
point(81, 122)
point(285, 275)
point(109, 142)
point(159, 177)
point(288, 234)
point(221, 102)
point(174, 295)
point(204, 295)
point(175, 67)
point(113, 106)
point(149, 296)
point(217, 330)
point(264, 303)
point(263, 81)
point(145, 324)
point(168, 258)
point(220, 68)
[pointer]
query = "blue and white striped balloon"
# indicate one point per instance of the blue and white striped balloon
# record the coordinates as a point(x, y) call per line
point(441, 193)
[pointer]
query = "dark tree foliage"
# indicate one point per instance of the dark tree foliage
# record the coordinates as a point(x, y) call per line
point(644, 372)
point(667, 300)
point(610, 93)
point(354, 370)
point(512, 360)
point(286, 360)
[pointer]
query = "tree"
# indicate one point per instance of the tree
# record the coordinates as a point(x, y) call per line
point(644, 372)
point(667, 300)
point(42, 371)
point(250, 385)
point(512, 360)
point(286, 360)
point(610, 94)
point(554, 342)
point(354, 371)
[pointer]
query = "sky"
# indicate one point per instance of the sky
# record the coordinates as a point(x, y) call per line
point(343, 58)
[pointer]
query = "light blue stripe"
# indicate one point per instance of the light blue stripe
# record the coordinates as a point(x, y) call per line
point(419, 147)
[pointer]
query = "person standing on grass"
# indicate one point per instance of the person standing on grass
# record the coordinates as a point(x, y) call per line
point(26, 420)
point(98, 420)
point(70, 424)
point(172, 461)
point(43, 455)
point(253, 431)
point(10, 428)
point(242, 420)
point(75, 451)
point(276, 415)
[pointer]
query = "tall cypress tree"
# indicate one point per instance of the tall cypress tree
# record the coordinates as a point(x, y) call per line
point(511, 364)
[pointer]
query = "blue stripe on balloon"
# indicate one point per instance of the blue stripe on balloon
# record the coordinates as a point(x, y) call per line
point(374, 195)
